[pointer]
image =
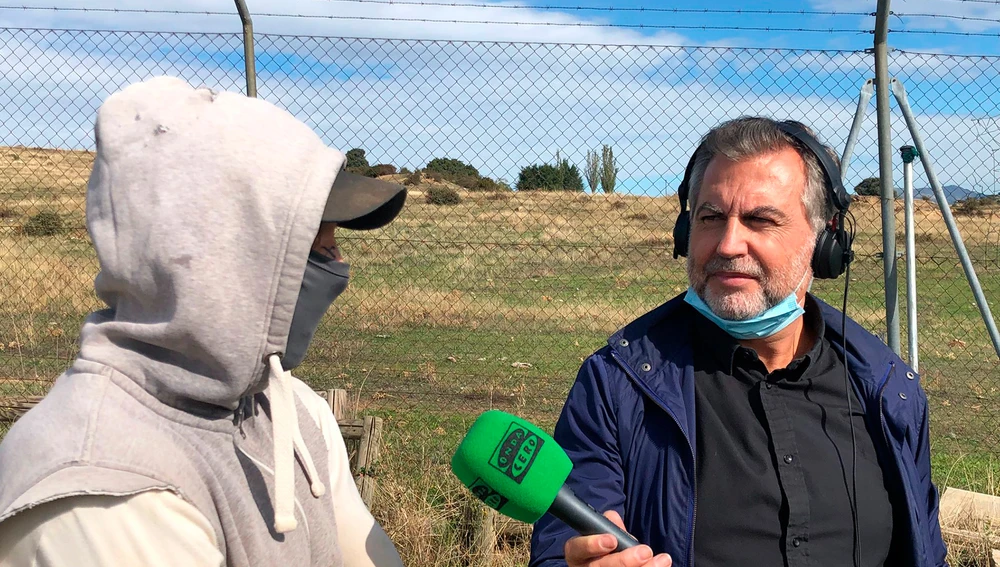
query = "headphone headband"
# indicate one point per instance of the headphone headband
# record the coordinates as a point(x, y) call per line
point(831, 171)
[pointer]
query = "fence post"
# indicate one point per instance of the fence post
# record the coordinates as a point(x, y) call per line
point(885, 174)
point(338, 405)
point(248, 56)
point(481, 534)
point(368, 449)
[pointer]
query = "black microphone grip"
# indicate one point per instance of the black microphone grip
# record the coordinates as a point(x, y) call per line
point(585, 520)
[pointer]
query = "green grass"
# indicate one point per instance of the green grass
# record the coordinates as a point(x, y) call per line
point(444, 302)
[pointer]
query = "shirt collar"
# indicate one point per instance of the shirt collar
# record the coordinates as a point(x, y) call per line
point(717, 350)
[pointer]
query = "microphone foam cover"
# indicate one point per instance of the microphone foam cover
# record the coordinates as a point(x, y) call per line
point(511, 465)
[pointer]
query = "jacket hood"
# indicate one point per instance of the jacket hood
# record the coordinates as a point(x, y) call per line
point(202, 207)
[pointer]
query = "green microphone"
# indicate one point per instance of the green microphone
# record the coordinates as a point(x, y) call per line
point(520, 471)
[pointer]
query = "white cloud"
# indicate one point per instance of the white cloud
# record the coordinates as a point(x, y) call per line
point(379, 24)
point(500, 106)
point(904, 8)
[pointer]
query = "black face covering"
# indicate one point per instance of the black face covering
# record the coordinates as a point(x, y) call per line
point(324, 280)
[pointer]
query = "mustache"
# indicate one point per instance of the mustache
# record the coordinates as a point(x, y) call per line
point(744, 265)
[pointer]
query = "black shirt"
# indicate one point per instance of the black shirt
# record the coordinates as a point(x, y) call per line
point(774, 459)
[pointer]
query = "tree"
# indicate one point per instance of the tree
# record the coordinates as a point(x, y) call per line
point(593, 170)
point(547, 177)
point(451, 168)
point(870, 187)
point(356, 161)
point(609, 169)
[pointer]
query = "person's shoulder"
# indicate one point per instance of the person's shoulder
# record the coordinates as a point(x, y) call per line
point(664, 317)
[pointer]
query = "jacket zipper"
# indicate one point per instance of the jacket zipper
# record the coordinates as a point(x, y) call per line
point(694, 478)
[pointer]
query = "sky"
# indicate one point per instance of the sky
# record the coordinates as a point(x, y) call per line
point(479, 93)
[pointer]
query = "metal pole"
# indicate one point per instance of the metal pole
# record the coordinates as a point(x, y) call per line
point(885, 174)
point(949, 220)
point(909, 153)
point(867, 90)
point(251, 63)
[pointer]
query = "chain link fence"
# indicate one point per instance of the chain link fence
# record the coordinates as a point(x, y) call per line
point(494, 300)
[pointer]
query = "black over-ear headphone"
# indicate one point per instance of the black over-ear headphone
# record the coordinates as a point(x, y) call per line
point(833, 246)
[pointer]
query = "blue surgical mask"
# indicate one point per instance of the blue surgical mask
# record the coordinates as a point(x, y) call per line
point(764, 325)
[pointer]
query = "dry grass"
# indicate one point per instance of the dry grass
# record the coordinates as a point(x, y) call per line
point(444, 300)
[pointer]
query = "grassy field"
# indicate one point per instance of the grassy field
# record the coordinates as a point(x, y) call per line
point(493, 303)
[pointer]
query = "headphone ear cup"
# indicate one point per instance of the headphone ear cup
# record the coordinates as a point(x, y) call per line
point(682, 230)
point(828, 256)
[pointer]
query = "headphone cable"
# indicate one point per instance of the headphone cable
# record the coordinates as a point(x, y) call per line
point(850, 403)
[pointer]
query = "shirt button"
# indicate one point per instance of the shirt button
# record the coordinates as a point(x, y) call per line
point(796, 542)
point(767, 385)
point(789, 459)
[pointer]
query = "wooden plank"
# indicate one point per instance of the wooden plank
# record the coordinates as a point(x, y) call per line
point(959, 505)
point(371, 438)
point(513, 530)
point(352, 430)
point(338, 404)
point(12, 408)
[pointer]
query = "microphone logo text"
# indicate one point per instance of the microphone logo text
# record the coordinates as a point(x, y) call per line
point(516, 452)
point(485, 492)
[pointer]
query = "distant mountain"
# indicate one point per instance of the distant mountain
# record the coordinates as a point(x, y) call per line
point(952, 193)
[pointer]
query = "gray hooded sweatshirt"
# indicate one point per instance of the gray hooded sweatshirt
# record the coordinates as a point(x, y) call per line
point(202, 207)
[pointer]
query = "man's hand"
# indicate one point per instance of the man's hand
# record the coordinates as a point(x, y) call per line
point(596, 551)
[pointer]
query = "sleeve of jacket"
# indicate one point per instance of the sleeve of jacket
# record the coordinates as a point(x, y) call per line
point(927, 493)
point(588, 430)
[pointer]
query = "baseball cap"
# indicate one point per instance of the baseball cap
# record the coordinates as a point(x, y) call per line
point(358, 202)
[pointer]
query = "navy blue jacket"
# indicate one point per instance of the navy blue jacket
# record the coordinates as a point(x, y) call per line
point(629, 427)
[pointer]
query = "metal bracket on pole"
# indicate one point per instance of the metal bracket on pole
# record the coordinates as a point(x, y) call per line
point(248, 55)
point(867, 90)
point(970, 272)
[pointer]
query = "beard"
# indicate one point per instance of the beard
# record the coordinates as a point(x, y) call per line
point(773, 287)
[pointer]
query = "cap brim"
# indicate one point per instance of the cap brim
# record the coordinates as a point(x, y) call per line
point(357, 202)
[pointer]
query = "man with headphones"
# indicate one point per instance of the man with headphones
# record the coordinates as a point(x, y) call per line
point(746, 422)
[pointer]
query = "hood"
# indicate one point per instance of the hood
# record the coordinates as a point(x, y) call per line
point(202, 207)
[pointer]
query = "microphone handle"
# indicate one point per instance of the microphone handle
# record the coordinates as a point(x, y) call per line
point(585, 520)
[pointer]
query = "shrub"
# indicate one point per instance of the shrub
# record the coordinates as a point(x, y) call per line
point(470, 182)
point(382, 169)
point(433, 175)
point(413, 179)
point(974, 206)
point(545, 177)
point(7, 213)
point(45, 223)
point(356, 161)
point(443, 196)
point(405, 170)
point(451, 169)
point(487, 185)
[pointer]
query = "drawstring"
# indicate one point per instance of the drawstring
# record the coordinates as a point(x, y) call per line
point(288, 443)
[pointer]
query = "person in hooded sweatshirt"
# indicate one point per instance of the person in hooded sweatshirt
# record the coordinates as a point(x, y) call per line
point(178, 435)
